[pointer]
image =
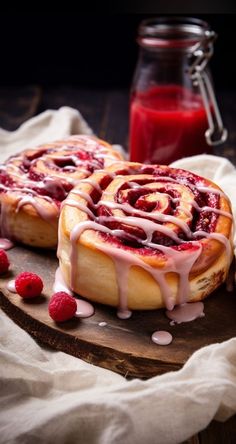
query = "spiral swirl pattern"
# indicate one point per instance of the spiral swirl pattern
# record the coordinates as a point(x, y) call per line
point(34, 182)
point(167, 225)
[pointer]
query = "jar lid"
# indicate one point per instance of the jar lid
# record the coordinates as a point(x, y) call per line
point(172, 32)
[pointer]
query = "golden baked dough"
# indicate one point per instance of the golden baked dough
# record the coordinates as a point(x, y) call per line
point(145, 237)
point(34, 183)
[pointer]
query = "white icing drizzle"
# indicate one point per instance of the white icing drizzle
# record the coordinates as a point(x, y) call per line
point(85, 196)
point(194, 204)
point(120, 270)
point(53, 181)
point(213, 210)
point(124, 313)
point(91, 182)
point(177, 261)
point(156, 216)
point(79, 206)
point(41, 209)
point(219, 237)
point(204, 189)
point(60, 284)
point(180, 262)
point(148, 226)
point(186, 312)
point(141, 222)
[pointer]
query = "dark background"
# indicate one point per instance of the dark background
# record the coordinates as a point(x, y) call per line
point(91, 50)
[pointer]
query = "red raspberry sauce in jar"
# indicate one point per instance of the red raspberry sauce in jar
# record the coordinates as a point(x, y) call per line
point(166, 123)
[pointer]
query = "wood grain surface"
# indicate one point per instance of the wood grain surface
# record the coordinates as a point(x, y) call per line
point(123, 346)
point(18, 104)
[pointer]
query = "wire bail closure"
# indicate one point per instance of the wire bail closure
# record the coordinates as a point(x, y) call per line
point(201, 54)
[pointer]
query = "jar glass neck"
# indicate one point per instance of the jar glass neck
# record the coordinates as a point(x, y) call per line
point(172, 33)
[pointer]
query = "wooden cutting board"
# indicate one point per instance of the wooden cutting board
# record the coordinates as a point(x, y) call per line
point(123, 346)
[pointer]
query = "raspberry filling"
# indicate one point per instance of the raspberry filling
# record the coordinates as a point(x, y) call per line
point(88, 160)
point(163, 199)
point(133, 211)
point(6, 181)
point(30, 176)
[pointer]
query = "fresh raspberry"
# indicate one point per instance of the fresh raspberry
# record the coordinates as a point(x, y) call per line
point(4, 262)
point(62, 306)
point(28, 285)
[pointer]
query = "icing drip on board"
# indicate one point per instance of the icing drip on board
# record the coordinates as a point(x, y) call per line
point(102, 324)
point(11, 286)
point(84, 309)
point(161, 337)
point(6, 244)
point(186, 312)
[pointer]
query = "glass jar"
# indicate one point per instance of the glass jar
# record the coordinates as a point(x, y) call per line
point(173, 110)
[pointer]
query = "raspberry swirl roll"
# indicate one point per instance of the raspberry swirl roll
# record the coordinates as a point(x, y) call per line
point(145, 237)
point(34, 182)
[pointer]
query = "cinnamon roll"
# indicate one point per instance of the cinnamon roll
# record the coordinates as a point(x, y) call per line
point(34, 182)
point(144, 237)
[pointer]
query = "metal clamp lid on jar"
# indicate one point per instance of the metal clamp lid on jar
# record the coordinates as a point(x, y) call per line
point(200, 56)
point(199, 40)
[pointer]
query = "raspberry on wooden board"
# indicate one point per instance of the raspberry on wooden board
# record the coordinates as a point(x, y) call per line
point(62, 306)
point(4, 262)
point(28, 285)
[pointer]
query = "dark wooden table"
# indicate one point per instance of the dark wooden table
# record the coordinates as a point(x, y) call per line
point(106, 111)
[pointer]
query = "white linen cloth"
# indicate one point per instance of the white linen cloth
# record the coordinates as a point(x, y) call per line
point(47, 396)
